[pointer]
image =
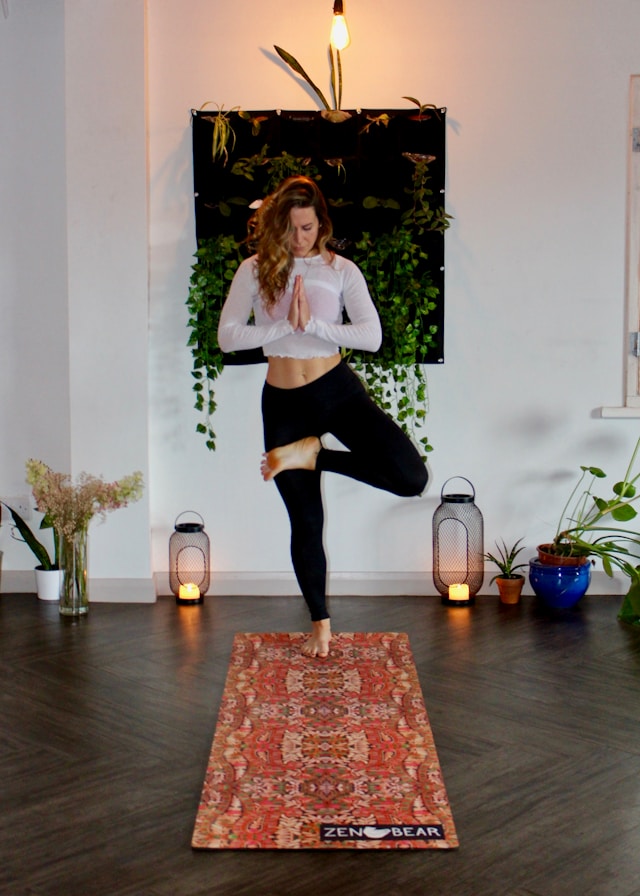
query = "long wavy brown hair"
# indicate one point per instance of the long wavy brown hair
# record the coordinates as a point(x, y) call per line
point(270, 233)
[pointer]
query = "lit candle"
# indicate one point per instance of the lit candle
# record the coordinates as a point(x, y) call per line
point(459, 592)
point(189, 592)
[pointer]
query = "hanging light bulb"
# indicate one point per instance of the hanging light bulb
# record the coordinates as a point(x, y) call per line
point(340, 38)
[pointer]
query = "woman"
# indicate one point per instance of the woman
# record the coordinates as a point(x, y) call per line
point(297, 288)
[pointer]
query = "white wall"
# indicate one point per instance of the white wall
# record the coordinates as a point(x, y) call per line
point(34, 365)
point(34, 369)
point(536, 94)
point(75, 229)
point(107, 234)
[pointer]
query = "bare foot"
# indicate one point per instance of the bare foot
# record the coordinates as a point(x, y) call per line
point(318, 642)
point(300, 455)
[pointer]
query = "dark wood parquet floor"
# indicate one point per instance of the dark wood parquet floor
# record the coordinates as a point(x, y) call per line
point(106, 726)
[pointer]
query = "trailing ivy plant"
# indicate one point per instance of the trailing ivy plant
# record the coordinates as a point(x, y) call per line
point(395, 267)
point(217, 261)
point(402, 289)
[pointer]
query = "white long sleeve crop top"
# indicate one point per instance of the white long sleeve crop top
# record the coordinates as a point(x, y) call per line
point(330, 287)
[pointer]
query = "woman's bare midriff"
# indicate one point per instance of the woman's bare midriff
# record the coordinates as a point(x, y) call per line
point(290, 373)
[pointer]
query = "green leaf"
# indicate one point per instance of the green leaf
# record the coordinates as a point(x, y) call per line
point(595, 471)
point(293, 63)
point(624, 514)
point(624, 489)
point(39, 551)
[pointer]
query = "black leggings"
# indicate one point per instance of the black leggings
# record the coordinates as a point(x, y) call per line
point(379, 453)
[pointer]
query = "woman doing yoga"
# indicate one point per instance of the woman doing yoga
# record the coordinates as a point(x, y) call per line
point(297, 289)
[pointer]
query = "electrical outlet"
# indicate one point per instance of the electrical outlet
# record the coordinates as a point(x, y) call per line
point(21, 505)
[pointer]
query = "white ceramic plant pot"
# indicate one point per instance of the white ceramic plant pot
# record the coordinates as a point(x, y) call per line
point(48, 583)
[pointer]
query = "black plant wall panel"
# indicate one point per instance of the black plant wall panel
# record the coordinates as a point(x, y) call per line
point(366, 167)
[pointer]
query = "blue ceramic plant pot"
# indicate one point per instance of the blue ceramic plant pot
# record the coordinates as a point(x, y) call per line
point(559, 586)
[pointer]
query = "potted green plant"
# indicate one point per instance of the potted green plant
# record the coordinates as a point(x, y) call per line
point(47, 569)
point(588, 530)
point(508, 580)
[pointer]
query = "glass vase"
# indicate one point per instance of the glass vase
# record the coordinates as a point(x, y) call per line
point(74, 596)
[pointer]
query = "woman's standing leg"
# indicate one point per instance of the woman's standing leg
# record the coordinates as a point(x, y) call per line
point(379, 454)
point(300, 491)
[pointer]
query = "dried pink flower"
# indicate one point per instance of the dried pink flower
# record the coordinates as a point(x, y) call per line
point(71, 507)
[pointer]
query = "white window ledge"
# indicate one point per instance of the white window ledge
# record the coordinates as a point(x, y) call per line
point(620, 412)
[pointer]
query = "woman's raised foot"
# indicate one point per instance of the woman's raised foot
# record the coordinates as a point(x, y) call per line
point(300, 455)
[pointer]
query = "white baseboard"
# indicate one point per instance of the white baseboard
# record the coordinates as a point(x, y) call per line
point(273, 584)
point(120, 591)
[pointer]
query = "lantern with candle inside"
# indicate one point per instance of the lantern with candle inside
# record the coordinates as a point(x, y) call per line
point(189, 553)
point(458, 547)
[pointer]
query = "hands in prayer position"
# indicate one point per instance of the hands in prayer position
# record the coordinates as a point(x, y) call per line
point(299, 312)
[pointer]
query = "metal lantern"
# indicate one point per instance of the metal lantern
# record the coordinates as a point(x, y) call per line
point(189, 560)
point(458, 547)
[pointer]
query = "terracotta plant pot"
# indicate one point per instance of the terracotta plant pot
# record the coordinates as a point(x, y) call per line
point(510, 588)
point(546, 556)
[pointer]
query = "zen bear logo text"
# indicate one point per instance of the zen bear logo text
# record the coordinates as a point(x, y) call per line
point(381, 832)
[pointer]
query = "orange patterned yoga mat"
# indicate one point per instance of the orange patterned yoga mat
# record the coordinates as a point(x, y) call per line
point(323, 753)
